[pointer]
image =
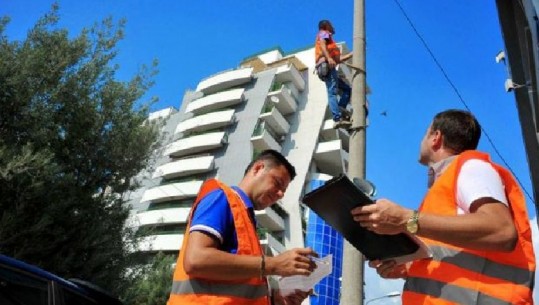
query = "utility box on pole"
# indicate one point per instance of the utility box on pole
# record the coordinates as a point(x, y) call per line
point(352, 276)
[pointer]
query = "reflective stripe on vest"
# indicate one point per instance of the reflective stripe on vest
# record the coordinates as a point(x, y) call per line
point(203, 287)
point(478, 264)
point(449, 292)
point(463, 276)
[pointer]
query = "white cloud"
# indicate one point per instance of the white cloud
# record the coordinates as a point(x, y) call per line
point(376, 287)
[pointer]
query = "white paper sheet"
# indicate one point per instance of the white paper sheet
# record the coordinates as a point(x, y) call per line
point(324, 267)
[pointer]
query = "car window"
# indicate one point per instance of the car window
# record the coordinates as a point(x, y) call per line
point(18, 288)
point(73, 298)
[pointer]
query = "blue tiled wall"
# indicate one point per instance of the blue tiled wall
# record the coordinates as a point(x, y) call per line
point(325, 240)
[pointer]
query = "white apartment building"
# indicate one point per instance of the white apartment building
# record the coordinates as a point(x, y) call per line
point(271, 100)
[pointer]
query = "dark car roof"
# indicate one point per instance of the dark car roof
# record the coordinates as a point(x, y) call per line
point(16, 264)
point(86, 288)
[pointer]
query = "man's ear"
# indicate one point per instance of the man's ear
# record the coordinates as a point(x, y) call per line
point(437, 139)
point(258, 166)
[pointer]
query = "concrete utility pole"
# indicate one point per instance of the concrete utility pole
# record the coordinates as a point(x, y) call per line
point(352, 275)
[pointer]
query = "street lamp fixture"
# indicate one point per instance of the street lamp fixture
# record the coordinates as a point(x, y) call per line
point(389, 295)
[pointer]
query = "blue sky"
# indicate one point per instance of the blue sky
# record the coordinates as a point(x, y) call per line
point(195, 39)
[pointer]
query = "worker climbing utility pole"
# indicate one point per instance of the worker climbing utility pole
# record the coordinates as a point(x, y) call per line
point(353, 263)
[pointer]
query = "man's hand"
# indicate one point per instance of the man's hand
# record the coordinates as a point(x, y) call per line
point(382, 217)
point(292, 262)
point(389, 269)
point(292, 299)
point(332, 63)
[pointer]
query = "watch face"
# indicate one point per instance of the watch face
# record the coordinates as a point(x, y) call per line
point(412, 227)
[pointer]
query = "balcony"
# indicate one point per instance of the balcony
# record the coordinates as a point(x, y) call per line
point(196, 144)
point(225, 80)
point(185, 167)
point(292, 90)
point(328, 133)
point(264, 138)
point(270, 220)
point(275, 120)
point(289, 73)
point(216, 101)
point(173, 191)
point(167, 216)
point(271, 245)
point(163, 242)
point(162, 114)
point(330, 157)
point(205, 122)
point(283, 100)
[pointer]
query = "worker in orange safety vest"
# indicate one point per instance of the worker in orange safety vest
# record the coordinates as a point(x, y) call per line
point(221, 260)
point(473, 219)
point(327, 57)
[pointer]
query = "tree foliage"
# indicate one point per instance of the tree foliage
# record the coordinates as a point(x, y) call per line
point(72, 137)
point(151, 283)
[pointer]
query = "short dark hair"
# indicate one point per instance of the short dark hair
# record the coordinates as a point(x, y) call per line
point(276, 159)
point(460, 129)
point(322, 24)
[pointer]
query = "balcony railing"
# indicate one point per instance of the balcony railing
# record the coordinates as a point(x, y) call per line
point(275, 120)
point(174, 191)
point(282, 99)
point(328, 133)
point(330, 157)
point(216, 101)
point(205, 122)
point(182, 203)
point(269, 219)
point(185, 167)
point(196, 144)
point(289, 73)
point(225, 80)
point(162, 242)
point(162, 114)
point(265, 138)
point(168, 216)
point(271, 245)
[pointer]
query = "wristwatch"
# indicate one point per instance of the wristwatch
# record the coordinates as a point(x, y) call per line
point(412, 225)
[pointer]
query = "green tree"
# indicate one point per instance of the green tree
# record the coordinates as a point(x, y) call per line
point(151, 283)
point(72, 137)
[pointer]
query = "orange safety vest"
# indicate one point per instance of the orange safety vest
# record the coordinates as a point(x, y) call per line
point(188, 290)
point(457, 275)
point(332, 48)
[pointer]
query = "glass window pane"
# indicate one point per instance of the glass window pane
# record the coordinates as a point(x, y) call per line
point(17, 288)
point(73, 298)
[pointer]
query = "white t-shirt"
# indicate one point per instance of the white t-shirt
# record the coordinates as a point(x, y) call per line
point(478, 179)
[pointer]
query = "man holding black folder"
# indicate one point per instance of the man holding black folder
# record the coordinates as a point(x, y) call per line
point(473, 218)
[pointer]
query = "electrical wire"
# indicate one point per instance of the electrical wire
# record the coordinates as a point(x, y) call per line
point(460, 97)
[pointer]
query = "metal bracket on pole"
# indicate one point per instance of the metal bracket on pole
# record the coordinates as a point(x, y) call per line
point(357, 128)
point(356, 69)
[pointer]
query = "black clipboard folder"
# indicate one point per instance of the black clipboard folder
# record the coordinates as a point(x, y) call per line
point(333, 202)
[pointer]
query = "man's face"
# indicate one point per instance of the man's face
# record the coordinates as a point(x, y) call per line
point(331, 29)
point(270, 185)
point(425, 148)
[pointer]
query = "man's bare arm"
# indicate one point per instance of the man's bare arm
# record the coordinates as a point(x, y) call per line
point(204, 259)
point(489, 226)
